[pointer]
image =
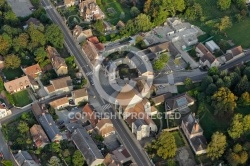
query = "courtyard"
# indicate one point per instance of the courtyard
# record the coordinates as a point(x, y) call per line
point(21, 8)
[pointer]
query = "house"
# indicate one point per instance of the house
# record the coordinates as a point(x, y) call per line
point(33, 21)
point(59, 103)
point(3, 111)
point(179, 103)
point(231, 54)
point(140, 129)
point(23, 158)
point(38, 110)
point(79, 95)
point(165, 47)
point(57, 62)
point(89, 49)
point(117, 157)
point(105, 127)
point(50, 127)
point(206, 57)
point(89, 10)
point(68, 3)
point(157, 100)
point(194, 134)
point(33, 71)
point(90, 115)
point(39, 137)
point(212, 46)
point(80, 35)
point(59, 86)
point(18, 84)
point(128, 97)
point(107, 26)
point(99, 46)
point(87, 146)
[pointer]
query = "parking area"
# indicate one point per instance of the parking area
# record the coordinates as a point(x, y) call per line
point(64, 114)
point(21, 8)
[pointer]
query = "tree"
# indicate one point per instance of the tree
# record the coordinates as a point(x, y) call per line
point(188, 83)
point(235, 78)
point(21, 41)
point(142, 23)
point(23, 127)
point(66, 153)
point(37, 37)
point(244, 99)
point(211, 89)
point(242, 86)
point(4, 46)
point(223, 4)
point(193, 12)
point(219, 83)
point(205, 82)
point(147, 5)
point(35, 3)
point(1, 85)
point(54, 161)
point(40, 54)
point(134, 11)
point(165, 145)
point(238, 17)
point(160, 63)
point(54, 36)
point(237, 155)
point(55, 147)
point(246, 124)
point(236, 128)
point(224, 23)
point(99, 26)
point(12, 61)
point(224, 101)
point(217, 146)
point(213, 71)
point(77, 158)
point(247, 72)
point(227, 81)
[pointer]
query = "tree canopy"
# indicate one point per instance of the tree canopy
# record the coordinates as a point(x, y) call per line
point(12, 61)
point(217, 146)
point(77, 158)
point(54, 36)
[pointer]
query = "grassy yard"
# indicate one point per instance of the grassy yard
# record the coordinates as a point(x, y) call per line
point(211, 123)
point(21, 98)
point(238, 33)
point(11, 74)
point(178, 139)
point(119, 9)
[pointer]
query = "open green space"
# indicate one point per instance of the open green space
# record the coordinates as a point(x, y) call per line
point(178, 139)
point(109, 6)
point(11, 74)
point(243, 110)
point(210, 123)
point(21, 98)
point(238, 33)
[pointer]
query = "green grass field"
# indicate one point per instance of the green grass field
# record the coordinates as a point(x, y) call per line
point(238, 33)
point(21, 98)
point(119, 9)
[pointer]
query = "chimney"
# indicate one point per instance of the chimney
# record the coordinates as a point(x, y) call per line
point(196, 127)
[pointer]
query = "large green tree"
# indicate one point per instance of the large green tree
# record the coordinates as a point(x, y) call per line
point(244, 99)
point(134, 11)
point(217, 146)
point(236, 128)
point(12, 61)
point(165, 145)
point(223, 4)
point(224, 23)
point(54, 36)
point(40, 54)
point(237, 155)
point(77, 158)
point(4, 46)
point(37, 37)
point(23, 127)
point(21, 41)
point(54, 161)
point(224, 101)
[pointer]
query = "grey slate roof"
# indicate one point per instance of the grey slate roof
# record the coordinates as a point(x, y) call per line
point(49, 126)
point(191, 124)
point(179, 101)
point(22, 157)
point(199, 142)
point(139, 122)
point(86, 145)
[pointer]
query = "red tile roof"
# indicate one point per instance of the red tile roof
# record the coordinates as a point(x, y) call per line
point(33, 70)
point(90, 113)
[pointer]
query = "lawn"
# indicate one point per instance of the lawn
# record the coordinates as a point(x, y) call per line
point(211, 18)
point(243, 110)
point(242, 35)
point(211, 123)
point(178, 139)
point(11, 74)
point(21, 98)
point(119, 9)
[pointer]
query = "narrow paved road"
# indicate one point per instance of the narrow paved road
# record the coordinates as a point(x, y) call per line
point(128, 139)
